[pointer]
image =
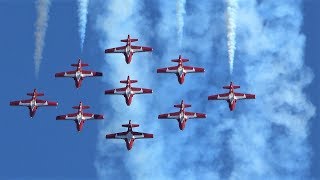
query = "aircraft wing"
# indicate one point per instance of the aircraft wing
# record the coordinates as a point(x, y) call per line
point(195, 115)
point(121, 49)
point(224, 96)
point(174, 115)
point(173, 69)
point(119, 91)
point(189, 69)
point(66, 74)
point(20, 103)
point(244, 96)
point(67, 117)
point(46, 103)
point(121, 135)
point(140, 49)
point(140, 135)
point(141, 90)
point(89, 116)
point(90, 73)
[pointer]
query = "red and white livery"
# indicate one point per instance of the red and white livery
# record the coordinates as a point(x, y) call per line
point(80, 117)
point(129, 136)
point(180, 70)
point(182, 116)
point(128, 92)
point(128, 50)
point(79, 74)
point(231, 97)
point(33, 103)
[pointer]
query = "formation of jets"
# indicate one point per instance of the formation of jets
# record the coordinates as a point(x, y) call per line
point(128, 92)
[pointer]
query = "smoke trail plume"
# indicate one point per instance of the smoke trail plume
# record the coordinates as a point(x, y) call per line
point(264, 138)
point(180, 21)
point(112, 26)
point(116, 22)
point(271, 139)
point(41, 25)
point(232, 6)
point(82, 13)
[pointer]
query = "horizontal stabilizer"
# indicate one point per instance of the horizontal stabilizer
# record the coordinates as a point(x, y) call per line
point(229, 87)
point(83, 107)
point(130, 125)
point(81, 64)
point(126, 81)
point(180, 60)
point(180, 106)
point(131, 40)
point(37, 94)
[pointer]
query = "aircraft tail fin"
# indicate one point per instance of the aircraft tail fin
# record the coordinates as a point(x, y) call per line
point(185, 105)
point(83, 107)
point(130, 125)
point(38, 94)
point(35, 92)
point(81, 64)
point(182, 105)
point(128, 80)
point(129, 39)
point(131, 81)
point(180, 59)
point(229, 87)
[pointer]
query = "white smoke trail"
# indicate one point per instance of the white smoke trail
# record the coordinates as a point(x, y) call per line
point(41, 25)
point(264, 138)
point(168, 138)
point(180, 20)
point(119, 19)
point(82, 13)
point(271, 139)
point(232, 6)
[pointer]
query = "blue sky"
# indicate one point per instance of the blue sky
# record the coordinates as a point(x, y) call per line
point(311, 55)
point(42, 148)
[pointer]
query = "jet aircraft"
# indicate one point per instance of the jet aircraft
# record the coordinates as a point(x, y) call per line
point(182, 116)
point(33, 103)
point(231, 97)
point(129, 136)
point(79, 74)
point(80, 117)
point(180, 70)
point(128, 92)
point(128, 50)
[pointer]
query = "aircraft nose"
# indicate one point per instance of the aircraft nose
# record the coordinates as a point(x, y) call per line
point(181, 126)
point(128, 60)
point(181, 80)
